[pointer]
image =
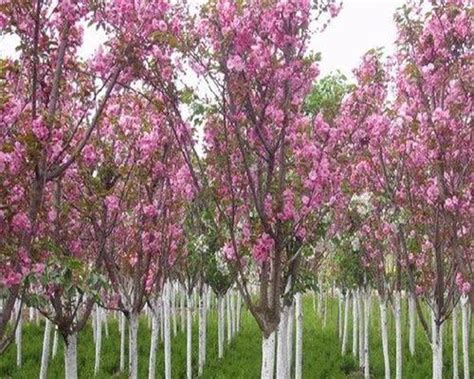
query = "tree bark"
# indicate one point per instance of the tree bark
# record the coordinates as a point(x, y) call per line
point(70, 356)
point(153, 343)
point(133, 346)
point(299, 336)
point(465, 334)
point(268, 356)
point(346, 323)
point(282, 345)
point(455, 343)
point(398, 335)
point(355, 320)
point(189, 336)
point(384, 332)
point(98, 340)
point(411, 323)
point(166, 331)
point(46, 348)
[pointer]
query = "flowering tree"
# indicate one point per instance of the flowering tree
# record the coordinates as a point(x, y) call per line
point(52, 102)
point(268, 164)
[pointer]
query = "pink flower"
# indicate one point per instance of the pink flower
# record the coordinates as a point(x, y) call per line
point(150, 211)
point(451, 203)
point(262, 248)
point(112, 203)
point(21, 223)
point(235, 63)
point(229, 252)
point(89, 155)
point(39, 129)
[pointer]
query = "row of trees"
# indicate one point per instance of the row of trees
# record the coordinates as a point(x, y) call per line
point(106, 200)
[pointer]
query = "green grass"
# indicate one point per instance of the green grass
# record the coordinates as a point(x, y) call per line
point(321, 351)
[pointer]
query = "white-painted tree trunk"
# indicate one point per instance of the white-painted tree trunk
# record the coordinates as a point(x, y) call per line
point(122, 341)
point(220, 326)
point(339, 316)
point(229, 319)
point(70, 356)
point(19, 337)
point(105, 321)
point(299, 336)
point(166, 331)
point(355, 320)
point(268, 356)
point(360, 305)
point(239, 310)
point(182, 307)
point(384, 333)
point(437, 347)
point(465, 334)
point(398, 335)
point(189, 336)
point(98, 340)
point(282, 345)
point(233, 313)
point(346, 323)
point(291, 328)
point(173, 309)
point(46, 348)
point(202, 331)
point(55, 343)
point(155, 324)
point(133, 345)
point(366, 305)
point(455, 343)
point(411, 323)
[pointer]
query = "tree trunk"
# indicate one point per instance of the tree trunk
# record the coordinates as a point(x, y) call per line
point(133, 346)
point(268, 356)
point(122, 341)
point(282, 345)
point(339, 316)
point(46, 347)
point(70, 356)
point(220, 326)
point(291, 328)
point(366, 304)
point(437, 347)
point(465, 334)
point(299, 336)
point(153, 342)
point(384, 332)
point(202, 331)
point(355, 320)
point(166, 331)
point(346, 323)
point(411, 323)
point(55, 343)
point(98, 340)
point(398, 335)
point(360, 306)
point(239, 310)
point(455, 343)
point(19, 337)
point(229, 320)
point(173, 309)
point(189, 336)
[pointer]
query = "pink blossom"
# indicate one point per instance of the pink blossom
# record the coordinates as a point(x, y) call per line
point(262, 248)
point(235, 63)
point(21, 223)
point(112, 203)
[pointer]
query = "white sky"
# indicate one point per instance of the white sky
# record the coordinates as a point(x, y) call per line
point(360, 26)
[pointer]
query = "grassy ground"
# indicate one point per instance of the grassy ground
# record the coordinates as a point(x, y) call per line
point(321, 359)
